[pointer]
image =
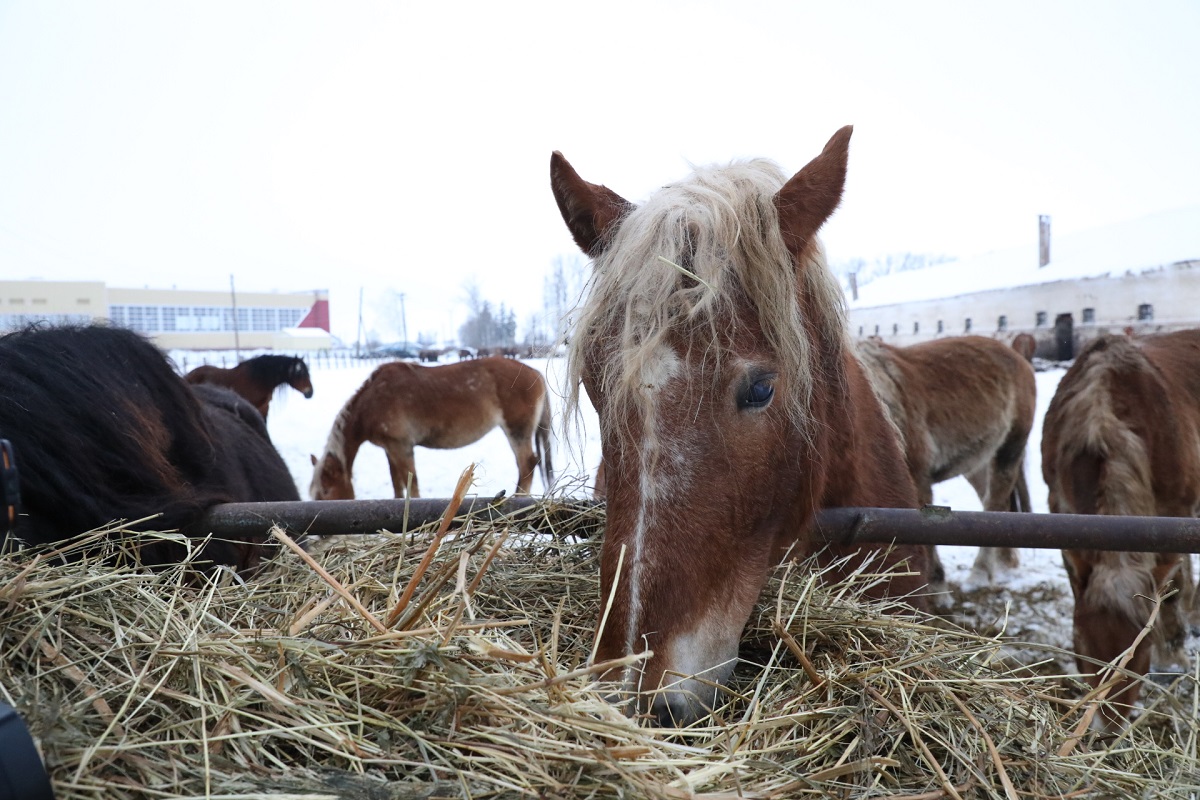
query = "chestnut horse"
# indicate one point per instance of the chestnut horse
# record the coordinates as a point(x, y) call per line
point(256, 379)
point(963, 406)
point(104, 429)
point(713, 345)
point(403, 405)
point(1026, 345)
point(1122, 436)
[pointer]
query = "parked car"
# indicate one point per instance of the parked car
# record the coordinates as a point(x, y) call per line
point(396, 350)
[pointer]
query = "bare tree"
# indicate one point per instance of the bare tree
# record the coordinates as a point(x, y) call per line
point(562, 290)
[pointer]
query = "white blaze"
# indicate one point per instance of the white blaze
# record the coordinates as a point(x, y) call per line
point(659, 369)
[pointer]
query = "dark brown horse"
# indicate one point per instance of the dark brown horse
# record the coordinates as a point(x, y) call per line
point(713, 345)
point(256, 379)
point(104, 429)
point(403, 405)
point(964, 406)
point(1122, 436)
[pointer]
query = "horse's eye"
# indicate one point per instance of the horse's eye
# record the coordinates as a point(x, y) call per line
point(758, 394)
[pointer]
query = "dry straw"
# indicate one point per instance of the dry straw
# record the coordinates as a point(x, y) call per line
point(338, 674)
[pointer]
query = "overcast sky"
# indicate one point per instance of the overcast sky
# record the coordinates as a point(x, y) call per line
point(404, 147)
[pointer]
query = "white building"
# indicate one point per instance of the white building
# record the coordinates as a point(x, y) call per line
point(174, 318)
point(1142, 275)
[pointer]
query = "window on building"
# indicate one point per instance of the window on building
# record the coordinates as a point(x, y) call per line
point(876, 330)
point(15, 321)
point(895, 328)
point(1040, 320)
point(916, 327)
point(860, 330)
point(1145, 312)
point(1002, 323)
point(1089, 315)
point(941, 326)
point(967, 325)
point(142, 318)
point(262, 319)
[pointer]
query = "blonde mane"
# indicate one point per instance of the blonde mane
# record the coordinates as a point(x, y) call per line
point(1090, 424)
point(686, 259)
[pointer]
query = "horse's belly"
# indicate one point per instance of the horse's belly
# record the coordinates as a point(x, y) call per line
point(460, 435)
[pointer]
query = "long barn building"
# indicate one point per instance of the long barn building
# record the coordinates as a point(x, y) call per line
point(1141, 276)
point(176, 318)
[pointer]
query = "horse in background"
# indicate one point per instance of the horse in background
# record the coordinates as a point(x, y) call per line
point(714, 348)
point(1122, 436)
point(403, 405)
point(104, 429)
point(963, 406)
point(1025, 345)
point(256, 379)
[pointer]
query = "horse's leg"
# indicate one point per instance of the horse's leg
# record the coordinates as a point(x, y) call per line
point(403, 469)
point(1001, 487)
point(527, 460)
point(937, 571)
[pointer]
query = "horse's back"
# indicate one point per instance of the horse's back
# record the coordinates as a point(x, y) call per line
point(205, 373)
point(968, 366)
point(250, 468)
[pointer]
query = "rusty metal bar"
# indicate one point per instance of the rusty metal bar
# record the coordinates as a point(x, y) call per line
point(932, 525)
point(341, 517)
point(939, 525)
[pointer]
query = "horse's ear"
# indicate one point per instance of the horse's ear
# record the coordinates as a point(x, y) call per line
point(314, 459)
point(811, 196)
point(590, 211)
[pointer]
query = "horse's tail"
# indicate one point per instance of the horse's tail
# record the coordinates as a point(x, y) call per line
point(1019, 499)
point(541, 442)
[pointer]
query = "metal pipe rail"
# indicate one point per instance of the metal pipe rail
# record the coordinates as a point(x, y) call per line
point(844, 526)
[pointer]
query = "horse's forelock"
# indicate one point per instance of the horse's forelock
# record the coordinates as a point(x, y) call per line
point(683, 262)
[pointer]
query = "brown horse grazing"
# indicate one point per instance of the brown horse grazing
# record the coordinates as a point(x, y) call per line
point(403, 405)
point(963, 406)
point(256, 379)
point(1122, 436)
point(713, 345)
point(1026, 345)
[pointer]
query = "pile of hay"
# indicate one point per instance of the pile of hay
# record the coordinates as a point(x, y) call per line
point(419, 668)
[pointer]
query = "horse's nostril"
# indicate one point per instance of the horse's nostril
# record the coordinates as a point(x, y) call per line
point(674, 709)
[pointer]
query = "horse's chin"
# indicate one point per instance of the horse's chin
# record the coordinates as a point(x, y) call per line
point(681, 701)
point(684, 702)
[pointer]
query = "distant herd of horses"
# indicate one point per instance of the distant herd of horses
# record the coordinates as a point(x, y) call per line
point(733, 405)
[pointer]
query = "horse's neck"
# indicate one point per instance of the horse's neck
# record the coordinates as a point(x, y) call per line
point(345, 439)
point(858, 425)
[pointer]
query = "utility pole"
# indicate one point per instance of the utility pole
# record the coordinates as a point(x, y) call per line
point(403, 321)
point(237, 346)
point(1043, 240)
